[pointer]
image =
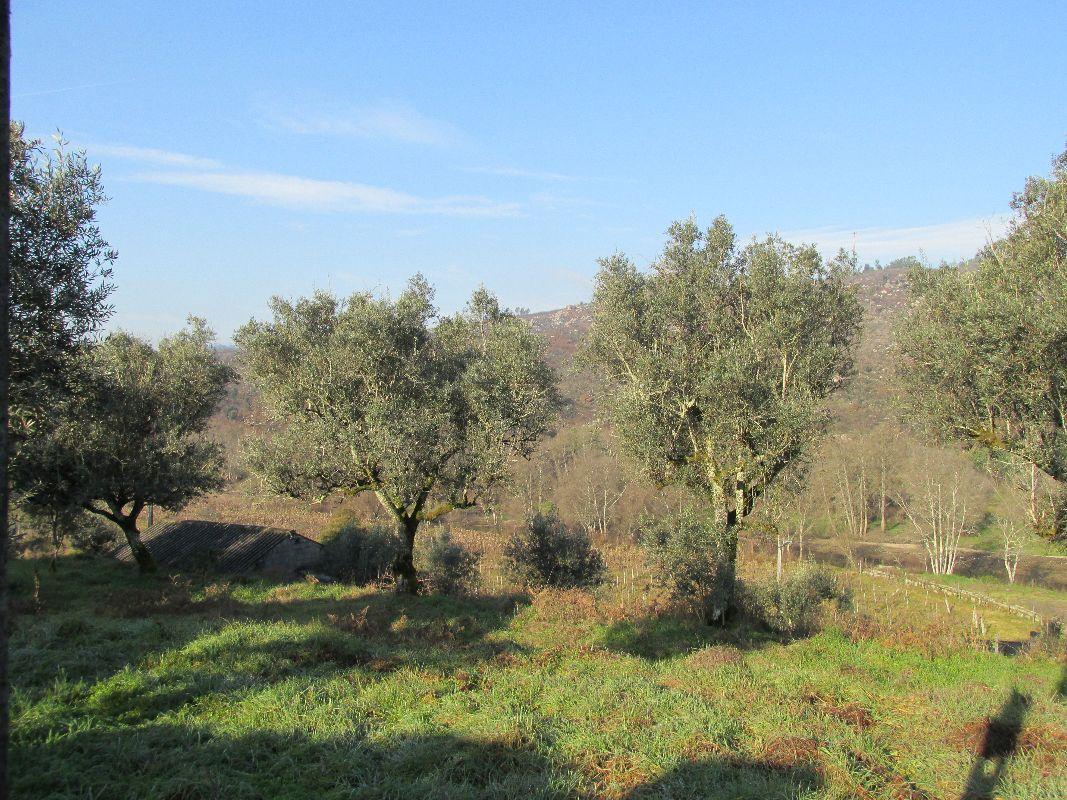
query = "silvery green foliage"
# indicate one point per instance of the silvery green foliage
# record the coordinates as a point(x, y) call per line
point(131, 434)
point(358, 553)
point(452, 568)
point(693, 556)
point(60, 273)
point(984, 350)
point(791, 606)
point(717, 359)
point(381, 395)
point(546, 552)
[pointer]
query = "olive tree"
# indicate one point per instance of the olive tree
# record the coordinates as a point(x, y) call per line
point(131, 435)
point(60, 272)
point(370, 394)
point(983, 349)
point(716, 362)
point(53, 291)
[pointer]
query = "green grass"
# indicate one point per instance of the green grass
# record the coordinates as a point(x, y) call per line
point(1047, 602)
point(130, 687)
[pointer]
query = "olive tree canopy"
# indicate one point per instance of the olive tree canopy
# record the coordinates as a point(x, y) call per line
point(60, 271)
point(717, 360)
point(983, 350)
point(130, 435)
point(381, 395)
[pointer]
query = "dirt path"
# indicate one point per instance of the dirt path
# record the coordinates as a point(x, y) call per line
point(1047, 571)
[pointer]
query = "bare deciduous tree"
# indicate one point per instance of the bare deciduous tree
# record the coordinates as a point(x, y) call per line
point(939, 513)
point(1013, 539)
point(849, 507)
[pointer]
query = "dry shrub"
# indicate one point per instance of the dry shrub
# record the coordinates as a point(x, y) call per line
point(616, 775)
point(851, 714)
point(382, 664)
point(285, 594)
point(704, 749)
point(175, 599)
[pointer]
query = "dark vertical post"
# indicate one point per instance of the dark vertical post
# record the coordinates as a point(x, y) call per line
point(5, 300)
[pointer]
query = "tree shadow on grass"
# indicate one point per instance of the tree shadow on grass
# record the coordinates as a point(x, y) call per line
point(174, 761)
point(670, 635)
point(185, 648)
point(734, 778)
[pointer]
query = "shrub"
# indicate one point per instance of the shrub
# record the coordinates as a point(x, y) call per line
point(547, 553)
point(791, 606)
point(90, 534)
point(357, 553)
point(691, 557)
point(451, 567)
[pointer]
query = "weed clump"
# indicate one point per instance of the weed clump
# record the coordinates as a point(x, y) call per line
point(356, 553)
point(549, 554)
point(452, 568)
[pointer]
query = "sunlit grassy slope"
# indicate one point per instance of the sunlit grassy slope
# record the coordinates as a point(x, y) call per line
point(129, 687)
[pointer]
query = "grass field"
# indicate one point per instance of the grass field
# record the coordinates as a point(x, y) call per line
point(131, 687)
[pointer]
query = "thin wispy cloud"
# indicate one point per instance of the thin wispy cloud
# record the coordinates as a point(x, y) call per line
point(384, 120)
point(150, 155)
point(573, 277)
point(311, 194)
point(551, 201)
point(525, 174)
point(949, 240)
point(62, 89)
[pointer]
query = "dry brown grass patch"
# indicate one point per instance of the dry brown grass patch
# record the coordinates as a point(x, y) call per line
point(566, 605)
point(616, 775)
point(885, 781)
point(853, 714)
point(716, 655)
point(989, 737)
point(788, 753)
point(356, 622)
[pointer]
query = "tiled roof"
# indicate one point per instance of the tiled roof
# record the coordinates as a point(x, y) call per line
point(226, 546)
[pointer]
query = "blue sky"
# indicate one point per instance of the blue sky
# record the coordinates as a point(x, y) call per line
point(252, 149)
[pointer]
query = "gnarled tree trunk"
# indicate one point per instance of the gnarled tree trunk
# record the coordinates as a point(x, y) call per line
point(719, 604)
point(407, 578)
point(145, 562)
point(128, 524)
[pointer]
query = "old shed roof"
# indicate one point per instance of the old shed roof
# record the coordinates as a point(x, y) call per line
point(226, 546)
